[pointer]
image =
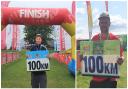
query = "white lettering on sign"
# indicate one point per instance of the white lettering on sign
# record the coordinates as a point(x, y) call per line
point(34, 13)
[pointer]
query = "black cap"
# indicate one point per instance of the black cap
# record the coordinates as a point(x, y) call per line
point(104, 14)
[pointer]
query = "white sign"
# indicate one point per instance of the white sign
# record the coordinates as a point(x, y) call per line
point(37, 61)
point(100, 65)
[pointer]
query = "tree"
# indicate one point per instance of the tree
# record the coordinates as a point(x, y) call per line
point(124, 43)
point(31, 31)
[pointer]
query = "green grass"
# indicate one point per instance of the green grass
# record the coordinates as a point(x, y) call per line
point(59, 77)
point(14, 75)
point(84, 81)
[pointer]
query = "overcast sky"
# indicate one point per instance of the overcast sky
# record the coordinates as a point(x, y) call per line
point(118, 15)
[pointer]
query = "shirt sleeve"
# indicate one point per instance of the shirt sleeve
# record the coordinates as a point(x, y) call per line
point(32, 47)
point(95, 38)
point(121, 52)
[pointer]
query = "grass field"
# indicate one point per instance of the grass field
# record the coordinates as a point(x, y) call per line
point(83, 81)
point(14, 75)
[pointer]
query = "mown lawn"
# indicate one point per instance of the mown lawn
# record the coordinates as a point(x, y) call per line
point(83, 81)
point(14, 75)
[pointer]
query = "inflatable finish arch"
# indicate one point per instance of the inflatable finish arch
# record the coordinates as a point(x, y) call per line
point(41, 16)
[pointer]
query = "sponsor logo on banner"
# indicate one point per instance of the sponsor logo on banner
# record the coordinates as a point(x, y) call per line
point(37, 61)
point(100, 58)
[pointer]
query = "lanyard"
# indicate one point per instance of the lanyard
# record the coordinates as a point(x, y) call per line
point(100, 37)
point(38, 47)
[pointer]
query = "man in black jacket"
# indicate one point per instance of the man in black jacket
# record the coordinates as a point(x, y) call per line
point(38, 78)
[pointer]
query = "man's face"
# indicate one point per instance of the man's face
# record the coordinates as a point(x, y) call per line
point(104, 24)
point(38, 40)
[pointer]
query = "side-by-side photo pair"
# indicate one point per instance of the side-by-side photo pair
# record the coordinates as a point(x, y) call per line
point(63, 44)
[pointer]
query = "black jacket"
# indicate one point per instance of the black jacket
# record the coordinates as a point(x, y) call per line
point(36, 47)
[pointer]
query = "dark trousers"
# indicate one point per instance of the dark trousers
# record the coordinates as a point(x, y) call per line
point(38, 80)
point(104, 84)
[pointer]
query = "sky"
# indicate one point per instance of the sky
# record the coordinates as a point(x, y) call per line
point(116, 9)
